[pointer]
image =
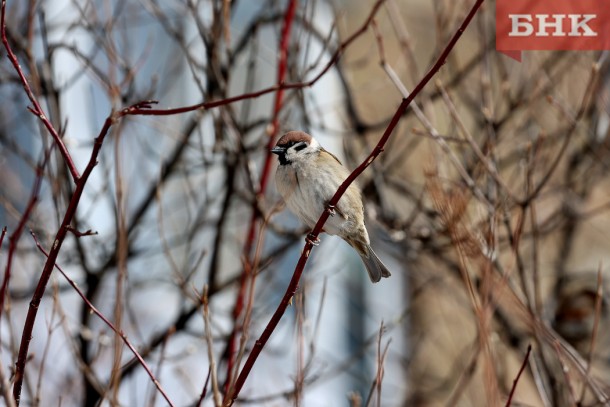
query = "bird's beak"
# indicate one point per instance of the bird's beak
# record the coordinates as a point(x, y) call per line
point(278, 150)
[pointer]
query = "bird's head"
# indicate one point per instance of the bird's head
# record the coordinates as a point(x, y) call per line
point(295, 147)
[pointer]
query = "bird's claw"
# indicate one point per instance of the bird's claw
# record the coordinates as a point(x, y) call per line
point(314, 240)
point(331, 209)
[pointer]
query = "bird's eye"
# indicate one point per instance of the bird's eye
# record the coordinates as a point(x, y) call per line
point(300, 146)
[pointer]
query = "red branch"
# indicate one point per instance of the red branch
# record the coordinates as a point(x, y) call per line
point(264, 178)
point(16, 235)
point(275, 88)
point(35, 108)
point(26, 336)
point(294, 282)
point(108, 323)
point(2, 235)
point(523, 365)
point(33, 200)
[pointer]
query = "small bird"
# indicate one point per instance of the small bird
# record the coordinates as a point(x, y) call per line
point(307, 178)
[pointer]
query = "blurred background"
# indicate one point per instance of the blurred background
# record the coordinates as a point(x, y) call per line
point(490, 205)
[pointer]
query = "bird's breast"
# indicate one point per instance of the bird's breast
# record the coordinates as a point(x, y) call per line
point(306, 193)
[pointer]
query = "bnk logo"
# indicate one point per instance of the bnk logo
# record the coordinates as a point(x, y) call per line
point(551, 25)
point(557, 25)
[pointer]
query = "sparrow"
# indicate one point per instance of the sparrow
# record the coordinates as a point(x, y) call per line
point(307, 177)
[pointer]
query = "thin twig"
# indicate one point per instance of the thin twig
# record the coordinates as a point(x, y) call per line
point(440, 140)
point(13, 239)
point(2, 234)
point(35, 108)
point(586, 100)
point(487, 163)
point(565, 371)
point(47, 346)
point(208, 337)
point(107, 322)
point(599, 293)
point(376, 384)
point(204, 391)
point(251, 271)
point(5, 388)
point(523, 365)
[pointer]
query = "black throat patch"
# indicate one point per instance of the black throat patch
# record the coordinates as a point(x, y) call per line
point(283, 159)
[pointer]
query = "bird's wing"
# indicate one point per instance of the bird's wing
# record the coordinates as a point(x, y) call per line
point(332, 155)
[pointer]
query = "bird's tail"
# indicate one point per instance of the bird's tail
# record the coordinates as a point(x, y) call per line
point(373, 264)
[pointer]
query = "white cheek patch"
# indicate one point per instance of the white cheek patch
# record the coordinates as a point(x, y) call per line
point(293, 155)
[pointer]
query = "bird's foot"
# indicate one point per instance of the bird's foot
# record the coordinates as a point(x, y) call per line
point(314, 240)
point(331, 209)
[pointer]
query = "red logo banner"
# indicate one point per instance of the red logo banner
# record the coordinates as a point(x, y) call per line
point(551, 25)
